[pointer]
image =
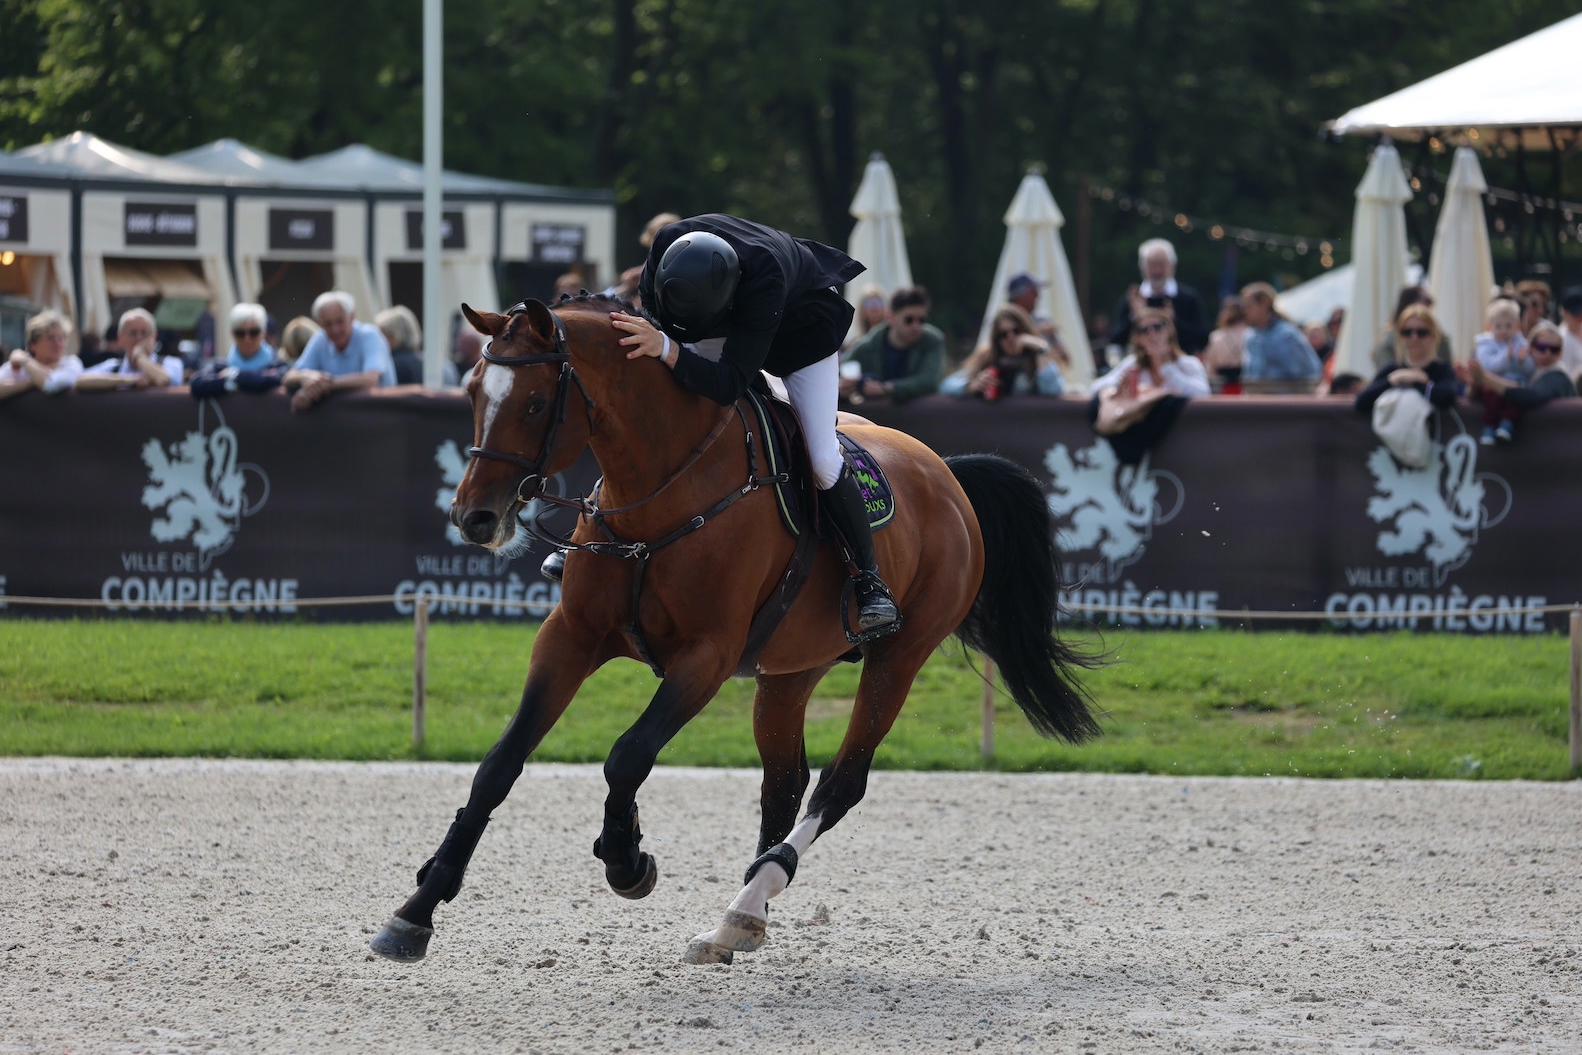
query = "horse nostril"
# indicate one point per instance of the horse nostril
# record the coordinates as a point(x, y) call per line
point(478, 525)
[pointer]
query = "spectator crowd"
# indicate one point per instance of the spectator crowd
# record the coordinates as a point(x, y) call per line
point(1156, 350)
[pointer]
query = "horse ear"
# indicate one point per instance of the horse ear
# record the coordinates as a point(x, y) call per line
point(486, 322)
point(540, 319)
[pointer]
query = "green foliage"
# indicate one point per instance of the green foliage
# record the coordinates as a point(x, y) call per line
point(771, 109)
point(1205, 703)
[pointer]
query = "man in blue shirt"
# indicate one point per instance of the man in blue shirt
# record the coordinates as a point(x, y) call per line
point(345, 355)
point(1276, 350)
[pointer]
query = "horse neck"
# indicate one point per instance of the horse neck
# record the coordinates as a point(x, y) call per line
point(647, 426)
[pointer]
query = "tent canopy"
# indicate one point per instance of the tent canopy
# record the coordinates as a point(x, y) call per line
point(1522, 90)
point(233, 161)
point(364, 168)
point(228, 162)
point(85, 154)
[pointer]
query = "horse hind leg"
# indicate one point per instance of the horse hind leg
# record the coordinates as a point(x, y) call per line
point(779, 720)
point(886, 679)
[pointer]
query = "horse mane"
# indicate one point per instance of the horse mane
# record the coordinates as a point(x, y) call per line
point(583, 298)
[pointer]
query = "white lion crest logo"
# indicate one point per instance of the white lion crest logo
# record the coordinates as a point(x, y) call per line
point(1438, 509)
point(201, 490)
point(452, 465)
point(1111, 507)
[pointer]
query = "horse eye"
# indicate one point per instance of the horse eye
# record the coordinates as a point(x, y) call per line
point(536, 407)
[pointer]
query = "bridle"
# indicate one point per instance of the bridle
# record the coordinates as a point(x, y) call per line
point(531, 485)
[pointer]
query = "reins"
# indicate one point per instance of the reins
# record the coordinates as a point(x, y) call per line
point(531, 486)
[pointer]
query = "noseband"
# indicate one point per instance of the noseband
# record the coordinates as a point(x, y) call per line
point(531, 485)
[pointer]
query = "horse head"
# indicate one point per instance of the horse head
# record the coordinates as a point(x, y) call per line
point(532, 418)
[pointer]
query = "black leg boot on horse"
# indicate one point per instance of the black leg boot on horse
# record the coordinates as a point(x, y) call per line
point(877, 614)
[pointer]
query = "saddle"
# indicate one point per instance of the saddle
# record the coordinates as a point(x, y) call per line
point(796, 496)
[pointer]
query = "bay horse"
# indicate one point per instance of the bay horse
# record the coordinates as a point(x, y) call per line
point(970, 551)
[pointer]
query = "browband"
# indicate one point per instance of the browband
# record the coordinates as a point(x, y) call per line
point(560, 355)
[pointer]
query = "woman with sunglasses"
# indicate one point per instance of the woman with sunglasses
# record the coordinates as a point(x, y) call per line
point(1135, 404)
point(1014, 361)
point(1509, 399)
point(1417, 336)
point(250, 353)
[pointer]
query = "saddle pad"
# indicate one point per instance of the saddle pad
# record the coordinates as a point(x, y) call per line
point(877, 497)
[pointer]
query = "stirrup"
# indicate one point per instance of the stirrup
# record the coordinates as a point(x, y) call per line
point(869, 582)
point(554, 565)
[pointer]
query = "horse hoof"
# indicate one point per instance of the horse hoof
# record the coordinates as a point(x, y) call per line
point(645, 883)
point(703, 950)
point(742, 933)
point(402, 941)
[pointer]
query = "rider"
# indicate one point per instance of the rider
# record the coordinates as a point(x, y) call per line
point(774, 299)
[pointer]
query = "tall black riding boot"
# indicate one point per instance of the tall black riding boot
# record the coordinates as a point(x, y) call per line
point(877, 610)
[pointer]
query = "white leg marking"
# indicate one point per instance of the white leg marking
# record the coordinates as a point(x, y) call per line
point(771, 879)
point(496, 385)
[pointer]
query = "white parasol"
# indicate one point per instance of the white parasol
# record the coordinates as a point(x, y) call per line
point(1032, 246)
point(1461, 270)
point(1378, 253)
point(878, 240)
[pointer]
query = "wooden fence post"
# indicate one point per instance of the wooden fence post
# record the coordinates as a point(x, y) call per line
point(987, 743)
point(1576, 691)
point(419, 673)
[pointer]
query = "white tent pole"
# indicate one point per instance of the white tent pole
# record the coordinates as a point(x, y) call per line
point(435, 330)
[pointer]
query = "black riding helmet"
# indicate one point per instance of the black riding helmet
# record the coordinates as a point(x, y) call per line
point(695, 280)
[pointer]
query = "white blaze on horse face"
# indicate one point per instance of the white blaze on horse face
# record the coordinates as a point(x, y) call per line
point(496, 385)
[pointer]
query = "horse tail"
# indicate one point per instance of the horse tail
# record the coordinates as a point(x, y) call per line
point(1013, 619)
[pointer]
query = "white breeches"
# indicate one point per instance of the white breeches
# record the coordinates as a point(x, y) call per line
point(815, 395)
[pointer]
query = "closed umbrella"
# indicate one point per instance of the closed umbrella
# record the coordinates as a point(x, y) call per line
point(1461, 270)
point(1032, 246)
point(1378, 253)
point(878, 240)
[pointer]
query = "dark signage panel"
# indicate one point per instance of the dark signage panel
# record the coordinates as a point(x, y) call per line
point(13, 218)
point(1322, 519)
point(161, 223)
point(558, 243)
point(452, 230)
point(301, 228)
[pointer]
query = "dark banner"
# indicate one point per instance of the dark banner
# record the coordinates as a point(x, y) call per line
point(558, 243)
point(1294, 505)
point(161, 223)
point(145, 500)
point(301, 228)
point(13, 218)
point(452, 229)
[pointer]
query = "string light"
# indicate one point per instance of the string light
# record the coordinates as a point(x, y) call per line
point(7, 258)
point(1289, 246)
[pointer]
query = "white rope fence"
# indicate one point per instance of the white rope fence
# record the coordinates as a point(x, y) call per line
point(421, 605)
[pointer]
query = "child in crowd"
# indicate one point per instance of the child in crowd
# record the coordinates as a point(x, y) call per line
point(1502, 350)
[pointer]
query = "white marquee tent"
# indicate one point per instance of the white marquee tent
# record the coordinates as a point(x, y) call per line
point(1315, 300)
point(35, 234)
point(183, 226)
point(1522, 89)
point(293, 230)
point(166, 240)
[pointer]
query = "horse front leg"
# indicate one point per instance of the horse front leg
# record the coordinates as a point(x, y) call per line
point(563, 657)
point(691, 681)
